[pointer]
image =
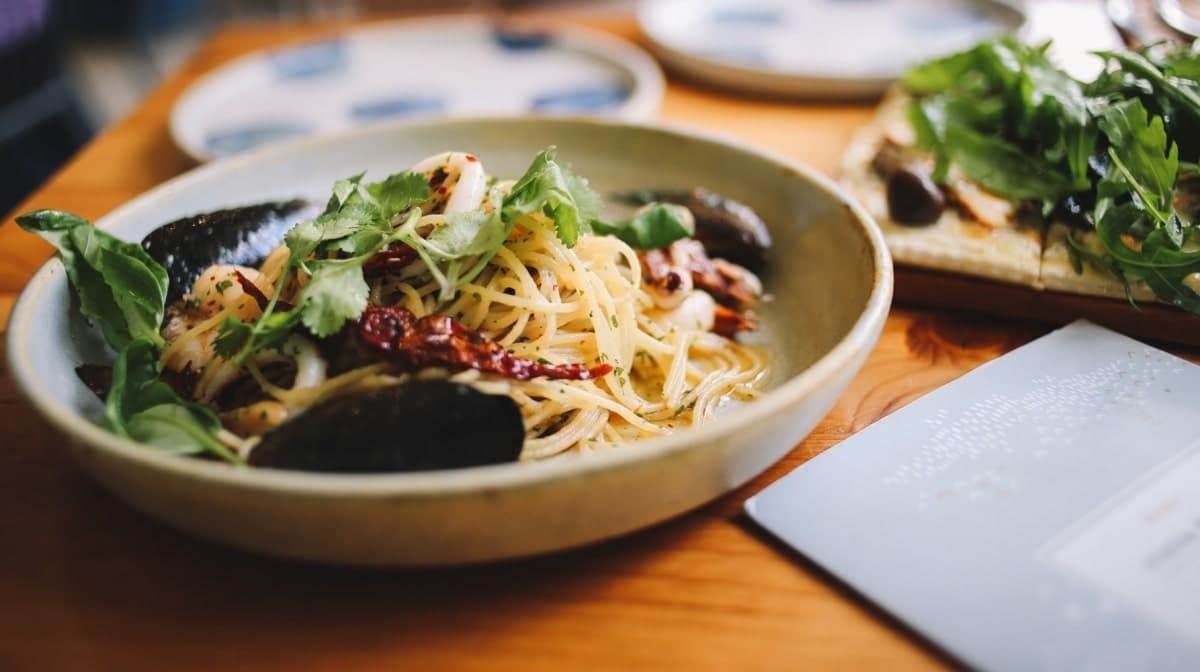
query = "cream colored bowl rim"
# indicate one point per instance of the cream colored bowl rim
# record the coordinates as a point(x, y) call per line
point(458, 481)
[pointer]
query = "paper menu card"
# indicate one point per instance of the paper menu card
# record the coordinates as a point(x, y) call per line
point(1039, 513)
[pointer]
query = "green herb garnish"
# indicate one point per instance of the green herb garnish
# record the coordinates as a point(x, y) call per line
point(117, 283)
point(657, 226)
point(1006, 117)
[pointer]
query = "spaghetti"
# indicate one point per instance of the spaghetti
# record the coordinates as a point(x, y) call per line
point(586, 306)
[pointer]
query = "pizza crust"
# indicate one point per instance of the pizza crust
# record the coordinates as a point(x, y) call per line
point(952, 243)
point(1058, 274)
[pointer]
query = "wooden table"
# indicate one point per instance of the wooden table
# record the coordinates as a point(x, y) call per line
point(87, 583)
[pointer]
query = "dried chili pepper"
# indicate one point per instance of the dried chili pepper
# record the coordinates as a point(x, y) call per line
point(393, 258)
point(438, 340)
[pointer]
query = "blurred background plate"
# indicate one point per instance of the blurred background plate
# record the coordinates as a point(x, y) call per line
point(815, 48)
point(427, 68)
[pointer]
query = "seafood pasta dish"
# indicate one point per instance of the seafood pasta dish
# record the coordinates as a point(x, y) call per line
point(440, 317)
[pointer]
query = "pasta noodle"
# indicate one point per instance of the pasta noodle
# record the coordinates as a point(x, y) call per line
point(542, 300)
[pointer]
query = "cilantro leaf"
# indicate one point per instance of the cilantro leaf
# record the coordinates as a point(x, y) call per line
point(118, 284)
point(237, 340)
point(467, 234)
point(587, 201)
point(657, 226)
point(399, 192)
point(549, 188)
point(342, 191)
point(306, 237)
point(337, 292)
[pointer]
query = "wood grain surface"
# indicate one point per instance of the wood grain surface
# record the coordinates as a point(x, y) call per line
point(88, 584)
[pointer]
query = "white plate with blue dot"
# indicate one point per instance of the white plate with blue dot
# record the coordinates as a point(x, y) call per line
point(815, 48)
point(441, 67)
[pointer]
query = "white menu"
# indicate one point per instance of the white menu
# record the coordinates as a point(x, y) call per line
point(1039, 513)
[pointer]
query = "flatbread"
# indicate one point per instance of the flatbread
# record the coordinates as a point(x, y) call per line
point(1058, 273)
point(1026, 253)
point(952, 243)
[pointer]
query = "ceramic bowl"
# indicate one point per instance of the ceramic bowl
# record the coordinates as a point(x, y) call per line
point(830, 274)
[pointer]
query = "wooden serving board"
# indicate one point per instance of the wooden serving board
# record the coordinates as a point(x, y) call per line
point(1145, 321)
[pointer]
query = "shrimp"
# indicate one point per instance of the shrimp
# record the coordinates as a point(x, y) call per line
point(217, 291)
point(458, 174)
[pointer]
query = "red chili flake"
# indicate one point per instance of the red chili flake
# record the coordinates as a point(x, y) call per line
point(393, 258)
point(728, 322)
point(438, 340)
point(471, 158)
point(257, 294)
point(439, 176)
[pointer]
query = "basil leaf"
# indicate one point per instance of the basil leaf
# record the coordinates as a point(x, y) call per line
point(143, 408)
point(657, 226)
point(117, 283)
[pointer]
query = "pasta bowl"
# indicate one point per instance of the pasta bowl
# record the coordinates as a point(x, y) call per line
point(828, 271)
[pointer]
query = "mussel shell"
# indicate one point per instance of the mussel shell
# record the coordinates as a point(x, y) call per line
point(727, 229)
point(243, 236)
point(418, 425)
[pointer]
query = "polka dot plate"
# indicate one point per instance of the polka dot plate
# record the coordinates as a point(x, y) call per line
point(815, 48)
point(461, 66)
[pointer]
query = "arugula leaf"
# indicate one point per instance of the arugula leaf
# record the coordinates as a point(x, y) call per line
point(1158, 262)
point(549, 188)
point(1005, 92)
point(985, 67)
point(1002, 168)
point(1175, 89)
point(657, 226)
point(1138, 147)
point(140, 406)
point(1020, 127)
point(117, 283)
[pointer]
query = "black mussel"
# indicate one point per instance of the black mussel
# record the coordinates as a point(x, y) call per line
point(96, 377)
point(913, 198)
point(728, 229)
point(415, 426)
point(243, 236)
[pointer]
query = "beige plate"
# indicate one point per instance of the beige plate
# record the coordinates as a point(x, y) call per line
point(830, 273)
